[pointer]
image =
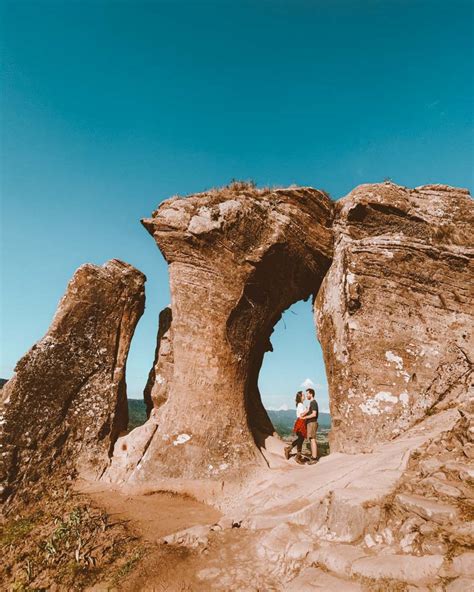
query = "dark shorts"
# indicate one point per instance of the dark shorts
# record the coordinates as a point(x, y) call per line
point(312, 428)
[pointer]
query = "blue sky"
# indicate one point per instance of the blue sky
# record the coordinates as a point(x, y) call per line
point(110, 107)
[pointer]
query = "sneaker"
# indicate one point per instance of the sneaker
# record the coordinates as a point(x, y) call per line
point(287, 452)
point(313, 461)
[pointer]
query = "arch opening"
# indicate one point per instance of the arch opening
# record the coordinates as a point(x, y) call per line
point(295, 363)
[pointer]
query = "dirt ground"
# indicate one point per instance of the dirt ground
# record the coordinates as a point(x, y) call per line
point(153, 515)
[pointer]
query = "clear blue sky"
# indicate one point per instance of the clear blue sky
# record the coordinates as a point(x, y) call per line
point(110, 107)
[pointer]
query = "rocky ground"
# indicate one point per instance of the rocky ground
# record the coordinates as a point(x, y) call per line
point(391, 508)
point(397, 520)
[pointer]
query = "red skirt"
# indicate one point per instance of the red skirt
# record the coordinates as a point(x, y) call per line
point(300, 427)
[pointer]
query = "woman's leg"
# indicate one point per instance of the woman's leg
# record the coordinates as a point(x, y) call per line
point(299, 443)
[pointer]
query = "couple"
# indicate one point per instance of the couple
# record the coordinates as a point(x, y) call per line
point(306, 426)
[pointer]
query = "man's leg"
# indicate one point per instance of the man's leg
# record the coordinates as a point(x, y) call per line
point(314, 448)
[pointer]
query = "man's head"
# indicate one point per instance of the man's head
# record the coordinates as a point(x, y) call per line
point(310, 393)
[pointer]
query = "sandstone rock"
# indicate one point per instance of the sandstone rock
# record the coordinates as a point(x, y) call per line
point(393, 311)
point(442, 488)
point(337, 558)
point(463, 565)
point(283, 544)
point(430, 465)
point(461, 533)
point(409, 569)
point(428, 509)
point(237, 258)
point(461, 585)
point(468, 450)
point(348, 517)
point(461, 470)
point(161, 373)
point(67, 402)
point(434, 547)
point(313, 579)
point(407, 542)
point(189, 537)
point(129, 450)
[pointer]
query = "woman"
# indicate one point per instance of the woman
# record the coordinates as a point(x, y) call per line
point(299, 427)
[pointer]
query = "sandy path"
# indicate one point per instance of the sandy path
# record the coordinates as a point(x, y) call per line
point(151, 515)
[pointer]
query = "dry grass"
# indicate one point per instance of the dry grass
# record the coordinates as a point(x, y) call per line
point(64, 541)
point(383, 585)
point(236, 187)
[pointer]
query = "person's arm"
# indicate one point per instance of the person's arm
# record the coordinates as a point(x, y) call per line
point(312, 414)
point(305, 413)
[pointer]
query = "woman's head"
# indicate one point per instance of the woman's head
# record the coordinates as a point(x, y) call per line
point(299, 397)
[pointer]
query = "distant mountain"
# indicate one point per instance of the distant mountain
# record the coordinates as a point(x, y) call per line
point(283, 419)
point(2, 382)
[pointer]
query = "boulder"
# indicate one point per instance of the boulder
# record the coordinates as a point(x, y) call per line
point(337, 558)
point(313, 579)
point(403, 568)
point(428, 509)
point(393, 311)
point(66, 403)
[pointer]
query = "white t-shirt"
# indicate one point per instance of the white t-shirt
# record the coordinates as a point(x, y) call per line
point(300, 409)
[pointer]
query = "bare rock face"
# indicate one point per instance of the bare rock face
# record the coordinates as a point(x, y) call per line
point(67, 403)
point(161, 373)
point(395, 310)
point(238, 258)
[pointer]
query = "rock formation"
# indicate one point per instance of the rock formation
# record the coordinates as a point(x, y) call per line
point(67, 402)
point(395, 312)
point(161, 373)
point(390, 273)
point(237, 258)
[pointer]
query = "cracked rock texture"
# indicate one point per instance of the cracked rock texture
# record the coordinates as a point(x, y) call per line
point(395, 312)
point(67, 402)
point(238, 257)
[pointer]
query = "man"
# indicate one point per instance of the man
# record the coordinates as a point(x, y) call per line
point(311, 418)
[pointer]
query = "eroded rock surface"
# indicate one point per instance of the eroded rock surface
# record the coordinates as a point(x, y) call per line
point(395, 312)
point(238, 257)
point(161, 373)
point(67, 402)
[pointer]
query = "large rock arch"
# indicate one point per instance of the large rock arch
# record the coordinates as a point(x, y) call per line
point(237, 259)
point(394, 316)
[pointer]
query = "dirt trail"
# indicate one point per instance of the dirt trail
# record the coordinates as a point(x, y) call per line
point(153, 515)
